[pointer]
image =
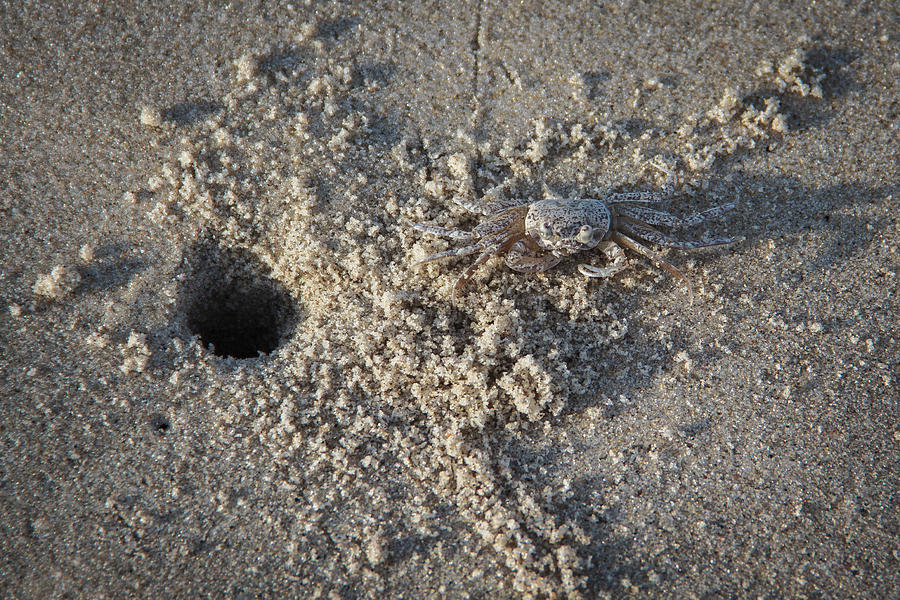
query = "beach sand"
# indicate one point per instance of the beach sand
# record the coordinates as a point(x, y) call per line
point(221, 375)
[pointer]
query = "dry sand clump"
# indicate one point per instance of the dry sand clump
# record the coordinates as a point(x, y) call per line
point(59, 283)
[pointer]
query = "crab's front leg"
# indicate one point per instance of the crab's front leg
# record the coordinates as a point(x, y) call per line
point(614, 256)
point(525, 256)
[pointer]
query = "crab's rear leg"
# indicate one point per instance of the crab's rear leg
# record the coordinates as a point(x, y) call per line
point(473, 206)
point(489, 207)
point(624, 240)
point(464, 251)
point(499, 247)
point(614, 256)
point(658, 217)
point(467, 274)
point(665, 194)
point(649, 234)
point(638, 197)
point(504, 224)
point(458, 235)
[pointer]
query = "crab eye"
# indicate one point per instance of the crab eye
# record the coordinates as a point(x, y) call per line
point(545, 230)
point(586, 234)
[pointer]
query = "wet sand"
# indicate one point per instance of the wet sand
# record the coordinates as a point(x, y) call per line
point(222, 376)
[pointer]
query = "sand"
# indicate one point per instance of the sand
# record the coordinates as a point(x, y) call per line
point(222, 376)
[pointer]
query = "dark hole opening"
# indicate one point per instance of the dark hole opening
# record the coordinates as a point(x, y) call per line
point(159, 423)
point(232, 305)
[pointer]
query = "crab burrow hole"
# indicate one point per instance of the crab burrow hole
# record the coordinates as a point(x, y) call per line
point(228, 299)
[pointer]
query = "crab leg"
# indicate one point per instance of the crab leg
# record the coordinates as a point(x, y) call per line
point(458, 235)
point(472, 206)
point(651, 235)
point(501, 204)
point(650, 216)
point(624, 240)
point(482, 258)
point(464, 251)
point(491, 207)
point(639, 197)
point(506, 222)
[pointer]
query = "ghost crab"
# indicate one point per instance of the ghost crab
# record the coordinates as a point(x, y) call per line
point(537, 235)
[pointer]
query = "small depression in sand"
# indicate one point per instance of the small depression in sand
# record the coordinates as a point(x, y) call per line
point(228, 300)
